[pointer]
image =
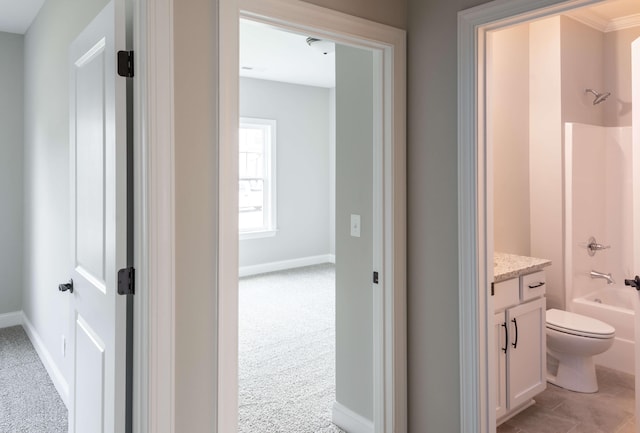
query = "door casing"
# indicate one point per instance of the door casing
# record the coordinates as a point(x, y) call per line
point(388, 46)
point(154, 328)
point(475, 200)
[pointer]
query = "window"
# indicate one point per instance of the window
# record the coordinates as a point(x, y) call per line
point(257, 192)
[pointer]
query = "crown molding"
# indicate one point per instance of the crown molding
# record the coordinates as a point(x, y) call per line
point(623, 23)
point(596, 21)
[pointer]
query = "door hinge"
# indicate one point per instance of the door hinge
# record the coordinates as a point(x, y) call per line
point(493, 290)
point(127, 281)
point(375, 277)
point(125, 64)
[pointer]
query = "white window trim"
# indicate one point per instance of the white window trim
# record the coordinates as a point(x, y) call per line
point(258, 234)
point(270, 168)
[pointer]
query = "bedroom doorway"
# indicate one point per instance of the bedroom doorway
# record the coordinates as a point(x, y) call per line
point(386, 47)
point(305, 292)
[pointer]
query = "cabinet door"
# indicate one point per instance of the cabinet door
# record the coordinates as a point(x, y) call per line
point(527, 358)
point(500, 342)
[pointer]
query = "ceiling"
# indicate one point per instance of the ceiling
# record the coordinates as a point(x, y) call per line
point(274, 54)
point(278, 55)
point(610, 16)
point(16, 15)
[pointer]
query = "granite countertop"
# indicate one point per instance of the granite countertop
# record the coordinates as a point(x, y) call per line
point(508, 266)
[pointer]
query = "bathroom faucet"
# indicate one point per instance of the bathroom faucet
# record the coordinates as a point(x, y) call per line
point(596, 274)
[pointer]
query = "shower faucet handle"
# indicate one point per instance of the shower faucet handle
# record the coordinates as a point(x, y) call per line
point(594, 246)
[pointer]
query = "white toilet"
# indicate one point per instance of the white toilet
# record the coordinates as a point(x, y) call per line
point(573, 340)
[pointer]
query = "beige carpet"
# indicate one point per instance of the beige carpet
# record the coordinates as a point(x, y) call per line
point(287, 351)
point(29, 402)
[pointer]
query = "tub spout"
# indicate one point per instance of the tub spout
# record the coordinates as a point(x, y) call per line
point(596, 274)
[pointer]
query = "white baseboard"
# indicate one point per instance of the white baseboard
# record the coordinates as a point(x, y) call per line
point(54, 372)
point(11, 319)
point(350, 421)
point(246, 271)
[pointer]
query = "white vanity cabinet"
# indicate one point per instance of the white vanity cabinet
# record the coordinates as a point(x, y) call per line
point(520, 342)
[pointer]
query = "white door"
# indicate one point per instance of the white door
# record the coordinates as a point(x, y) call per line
point(98, 216)
point(635, 101)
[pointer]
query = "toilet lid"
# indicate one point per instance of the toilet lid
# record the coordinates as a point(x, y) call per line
point(576, 324)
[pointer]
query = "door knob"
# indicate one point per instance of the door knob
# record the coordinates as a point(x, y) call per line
point(633, 283)
point(67, 286)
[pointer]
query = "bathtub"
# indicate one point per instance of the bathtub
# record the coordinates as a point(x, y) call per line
point(613, 305)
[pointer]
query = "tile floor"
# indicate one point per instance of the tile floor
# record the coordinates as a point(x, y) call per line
point(557, 410)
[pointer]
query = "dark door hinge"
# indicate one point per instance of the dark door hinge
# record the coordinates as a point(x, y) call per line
point(375, 277)
point(127, 281)
point(493, 291)
point(125, 64)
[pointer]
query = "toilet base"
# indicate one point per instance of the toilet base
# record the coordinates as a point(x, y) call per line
point(575, 373)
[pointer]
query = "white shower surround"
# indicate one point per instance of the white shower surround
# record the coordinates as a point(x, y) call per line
point(599, 203)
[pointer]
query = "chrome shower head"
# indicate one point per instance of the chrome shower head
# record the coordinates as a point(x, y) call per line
point(599, 97)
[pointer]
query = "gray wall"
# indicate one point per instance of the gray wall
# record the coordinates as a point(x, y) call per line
point(302, 169)
point(432, 181)
point(11, 150)
point(46, 163)
point(195, 133)
point(391, 12)
point(354, 255)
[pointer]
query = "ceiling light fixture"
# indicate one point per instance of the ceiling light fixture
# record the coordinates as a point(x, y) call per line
point(325, 47)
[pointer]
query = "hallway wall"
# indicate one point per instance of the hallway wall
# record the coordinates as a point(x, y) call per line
point(11, 184)
point(432, 180)
point(391, 12)
point(46, 191)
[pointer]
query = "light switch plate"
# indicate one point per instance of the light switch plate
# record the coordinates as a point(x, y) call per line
point(355, 226)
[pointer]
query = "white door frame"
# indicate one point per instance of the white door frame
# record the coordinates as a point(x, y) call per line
point(389, 303)
point(154, 337)
point(475, 213)
point(154, 359)
point(635, 124)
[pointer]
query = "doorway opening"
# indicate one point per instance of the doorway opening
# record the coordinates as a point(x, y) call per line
point(386, 354)
point(548, 195)
point(306, 143)
point(286, 224)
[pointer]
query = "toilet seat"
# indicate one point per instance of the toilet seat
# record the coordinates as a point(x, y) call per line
point(579, 325)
